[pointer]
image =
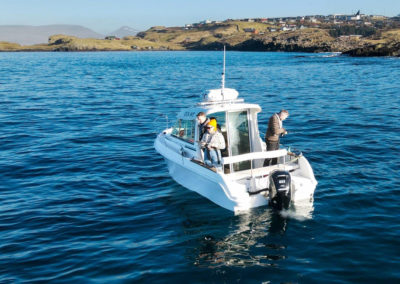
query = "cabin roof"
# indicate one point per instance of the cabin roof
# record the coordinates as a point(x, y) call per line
point(218, 100)
point(190, 113)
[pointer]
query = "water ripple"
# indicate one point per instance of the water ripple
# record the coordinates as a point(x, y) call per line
point(84, 197)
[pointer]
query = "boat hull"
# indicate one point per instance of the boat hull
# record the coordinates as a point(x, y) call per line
point(209, 187)
point(218, 187)
point(196, 177)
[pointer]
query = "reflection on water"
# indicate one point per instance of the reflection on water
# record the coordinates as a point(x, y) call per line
point(302, 211)
point(249, 243)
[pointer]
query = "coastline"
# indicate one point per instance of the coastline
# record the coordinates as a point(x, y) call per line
point(233, 36)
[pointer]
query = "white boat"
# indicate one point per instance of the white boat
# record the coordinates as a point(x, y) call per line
point(242, 182)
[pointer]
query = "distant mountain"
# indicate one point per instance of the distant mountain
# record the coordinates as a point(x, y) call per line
point(27, 35)
point(124, 31)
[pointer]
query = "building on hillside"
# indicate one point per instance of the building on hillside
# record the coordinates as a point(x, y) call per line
point(350, 37)
point(250, 30)
point(112, 38)
point(205, 22)
point(355, 17)
point(378, 17)
point(289, 28)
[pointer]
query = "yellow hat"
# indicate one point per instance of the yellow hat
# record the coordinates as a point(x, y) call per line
point(213, 123)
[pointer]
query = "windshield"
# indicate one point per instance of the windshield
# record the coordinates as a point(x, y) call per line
point(239, 137)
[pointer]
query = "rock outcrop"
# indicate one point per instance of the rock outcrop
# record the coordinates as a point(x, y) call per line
point(387, 44)
point(389, 49)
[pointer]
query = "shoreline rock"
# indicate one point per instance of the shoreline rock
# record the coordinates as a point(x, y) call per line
point(390, 49)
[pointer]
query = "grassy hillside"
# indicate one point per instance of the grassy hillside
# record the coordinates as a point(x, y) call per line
point(8, 46)
point(70, 43)
point(231, 33)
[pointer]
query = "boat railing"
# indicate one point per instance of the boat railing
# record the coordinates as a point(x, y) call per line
point(254, 156)
point(285, 159)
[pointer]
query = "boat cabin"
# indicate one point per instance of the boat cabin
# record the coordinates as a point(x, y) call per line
point(236, 120)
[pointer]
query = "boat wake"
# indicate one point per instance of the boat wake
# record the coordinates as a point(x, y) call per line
point(331, 54)
point(301, 212)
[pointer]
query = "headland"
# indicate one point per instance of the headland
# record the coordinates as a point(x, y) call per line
point(355, 35)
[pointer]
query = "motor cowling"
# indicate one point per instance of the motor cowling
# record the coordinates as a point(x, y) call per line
point(280, 189)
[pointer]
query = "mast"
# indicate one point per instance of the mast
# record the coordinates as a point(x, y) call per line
point(223, 78)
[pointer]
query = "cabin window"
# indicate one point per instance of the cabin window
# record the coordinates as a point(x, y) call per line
point(239, 138)
point(185, 130)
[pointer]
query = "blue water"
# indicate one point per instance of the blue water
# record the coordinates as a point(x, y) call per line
point(84, 196)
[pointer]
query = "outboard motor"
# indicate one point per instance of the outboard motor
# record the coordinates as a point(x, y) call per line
point(280, 189)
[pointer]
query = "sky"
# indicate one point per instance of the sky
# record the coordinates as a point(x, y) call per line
point(105, 16)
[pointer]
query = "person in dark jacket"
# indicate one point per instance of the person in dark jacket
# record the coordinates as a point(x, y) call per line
point(274, 132)
point(202, 122)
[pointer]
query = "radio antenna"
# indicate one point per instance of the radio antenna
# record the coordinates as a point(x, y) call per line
point(223, 78)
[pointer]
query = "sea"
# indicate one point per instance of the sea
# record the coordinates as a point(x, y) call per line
point(85, 198)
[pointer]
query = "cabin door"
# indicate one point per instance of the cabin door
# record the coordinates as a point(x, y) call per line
point(239, 141)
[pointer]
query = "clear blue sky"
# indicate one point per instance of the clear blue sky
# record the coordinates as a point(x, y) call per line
point(107, 15)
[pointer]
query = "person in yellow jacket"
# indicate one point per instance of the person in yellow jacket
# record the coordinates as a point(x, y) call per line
point(212, 142)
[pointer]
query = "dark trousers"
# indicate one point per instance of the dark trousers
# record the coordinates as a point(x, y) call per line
point(271, 146)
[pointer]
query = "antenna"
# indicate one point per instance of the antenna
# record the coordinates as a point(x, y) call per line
point(223, 78)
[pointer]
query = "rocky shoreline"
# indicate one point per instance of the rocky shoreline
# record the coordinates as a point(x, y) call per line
point(234, 36)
